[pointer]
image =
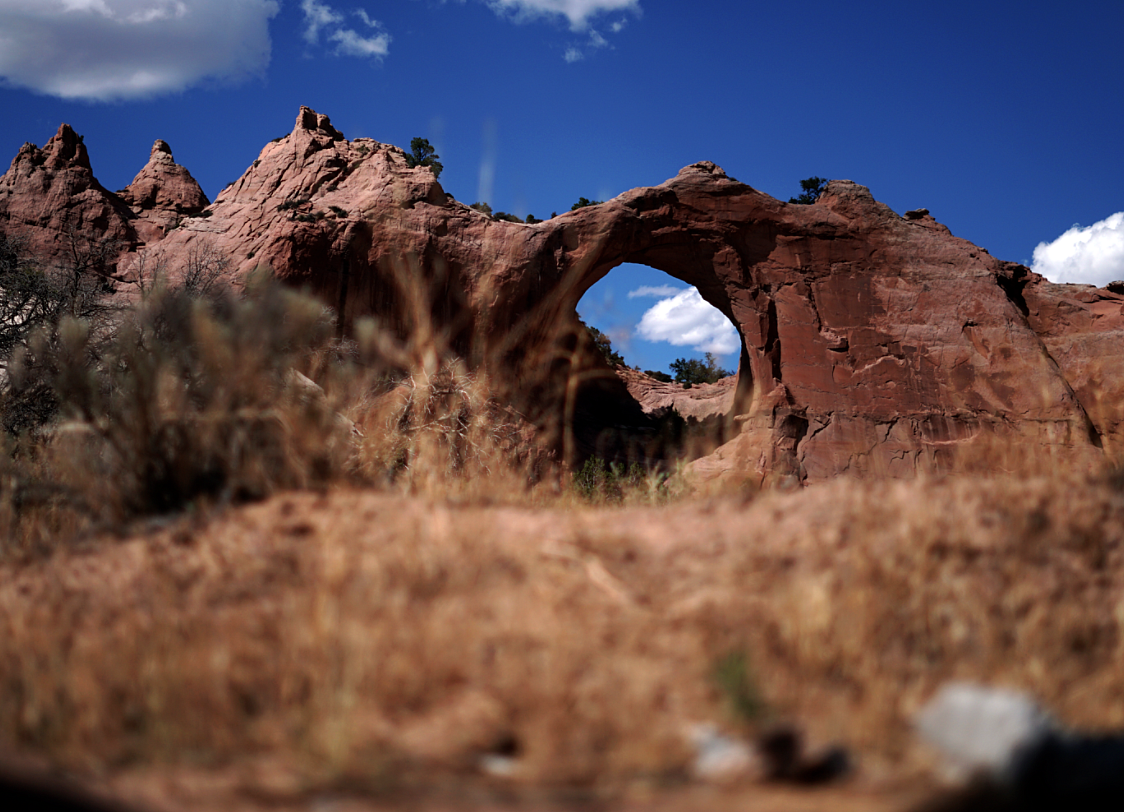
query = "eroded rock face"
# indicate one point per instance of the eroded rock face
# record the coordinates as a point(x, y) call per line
point(51, 197)
point(699, 402)
point(312, 199)
point(161, 194)
point(1082, 329)
point(873, 344)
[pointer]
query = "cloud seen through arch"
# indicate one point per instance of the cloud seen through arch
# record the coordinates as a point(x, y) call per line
point(685, 319)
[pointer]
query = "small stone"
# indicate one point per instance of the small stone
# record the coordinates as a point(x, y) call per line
point(498, 766)
point(720, 758)
point(982, 732)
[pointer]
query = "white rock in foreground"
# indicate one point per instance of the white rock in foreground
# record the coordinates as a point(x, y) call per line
point(984, 732)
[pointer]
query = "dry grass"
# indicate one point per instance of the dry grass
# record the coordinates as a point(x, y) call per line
point(418, 586)
point(197, 399)
point(379, 640)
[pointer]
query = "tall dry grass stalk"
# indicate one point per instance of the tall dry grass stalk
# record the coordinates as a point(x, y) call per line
point(190, 398)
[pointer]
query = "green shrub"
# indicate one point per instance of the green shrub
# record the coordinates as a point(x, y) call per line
point(293, 203)
point(812, 189)
point(690, 371)
point(605, 346)
point(422, 154)
point(739, 688)
point(597, 481)
point(583, 202)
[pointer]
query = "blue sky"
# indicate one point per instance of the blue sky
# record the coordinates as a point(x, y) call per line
point(1006, 124)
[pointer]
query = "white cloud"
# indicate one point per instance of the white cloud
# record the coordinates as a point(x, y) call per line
point(575, 53)
point(1092, 255)
point(362, 15)
point(351, 44)
point(686, 320)
point(320, 17)
point(577, 12)
point(106, 50)
point(659, 291)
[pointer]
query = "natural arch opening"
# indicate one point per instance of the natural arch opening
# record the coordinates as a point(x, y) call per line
point(675, 354)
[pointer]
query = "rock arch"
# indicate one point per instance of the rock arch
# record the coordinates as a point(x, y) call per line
point(873, 344)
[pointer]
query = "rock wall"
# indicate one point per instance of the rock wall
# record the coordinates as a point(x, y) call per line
point(51, 197)
point(872, 344)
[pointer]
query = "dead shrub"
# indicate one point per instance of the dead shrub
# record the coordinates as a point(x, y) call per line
point(191, 398)
point(445, 433)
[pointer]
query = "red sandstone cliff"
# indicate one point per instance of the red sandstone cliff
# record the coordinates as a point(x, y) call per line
point(872, 344)
point(161, 194)
point(51, 197)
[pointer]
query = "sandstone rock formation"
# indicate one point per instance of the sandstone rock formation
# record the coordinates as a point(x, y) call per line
point(51, 197)
point(312, 198)
point(872, 344)
point(161, 194)
point(1081, 327)
point(700, 402)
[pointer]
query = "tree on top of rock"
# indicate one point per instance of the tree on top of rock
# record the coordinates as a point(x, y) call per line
point(583, 202)
point(422, 153)
point(813, 188)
